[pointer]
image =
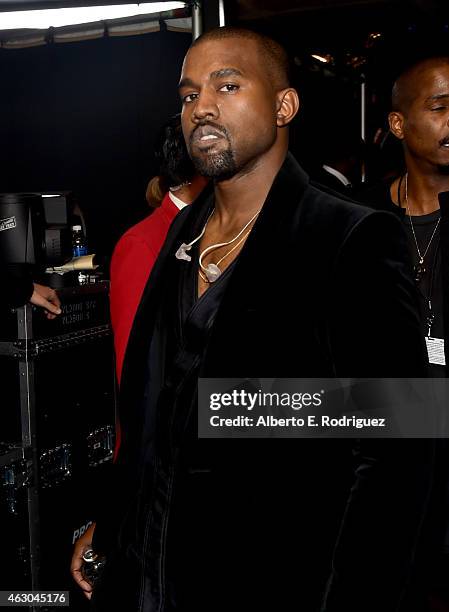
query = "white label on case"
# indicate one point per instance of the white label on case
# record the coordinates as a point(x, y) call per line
point(7, 224)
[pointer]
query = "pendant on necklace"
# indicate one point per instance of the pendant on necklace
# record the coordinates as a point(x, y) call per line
point(419, 270)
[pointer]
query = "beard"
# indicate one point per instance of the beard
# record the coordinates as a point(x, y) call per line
point(219, 167)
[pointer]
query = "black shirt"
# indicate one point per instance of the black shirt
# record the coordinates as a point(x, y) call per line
point(430, 284)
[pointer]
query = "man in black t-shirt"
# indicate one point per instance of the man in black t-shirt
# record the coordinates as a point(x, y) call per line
point(420, 197)
point(420, 119)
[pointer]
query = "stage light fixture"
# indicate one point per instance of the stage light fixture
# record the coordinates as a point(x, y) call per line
point(57, 18)
point(324, 59)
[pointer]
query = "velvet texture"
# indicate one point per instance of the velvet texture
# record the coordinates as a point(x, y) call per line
point(320, 289)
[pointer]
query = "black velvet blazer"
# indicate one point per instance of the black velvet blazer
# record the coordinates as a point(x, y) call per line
point(322, 285)
point(322, 288)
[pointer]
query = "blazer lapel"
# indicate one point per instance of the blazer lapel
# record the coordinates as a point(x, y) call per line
point(135, 361)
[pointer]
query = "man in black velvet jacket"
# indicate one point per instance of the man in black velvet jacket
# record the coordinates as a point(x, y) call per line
point(308, 285)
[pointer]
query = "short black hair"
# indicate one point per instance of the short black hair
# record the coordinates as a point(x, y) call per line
point(405, 87)
point(170, 151)
point(273, 54)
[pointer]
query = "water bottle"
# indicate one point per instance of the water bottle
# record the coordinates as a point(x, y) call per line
point(79, 248)
point(79, 243)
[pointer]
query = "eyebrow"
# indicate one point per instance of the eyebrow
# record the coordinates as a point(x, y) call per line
point(437, 97)
point(216, 74)
point(225, 72)
point(186, 82)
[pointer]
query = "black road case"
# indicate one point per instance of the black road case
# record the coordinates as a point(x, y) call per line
point(57, 424)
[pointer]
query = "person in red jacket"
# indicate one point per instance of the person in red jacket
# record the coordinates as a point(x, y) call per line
point(176, 186)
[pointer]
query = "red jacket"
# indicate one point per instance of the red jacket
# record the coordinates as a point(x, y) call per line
point(132, 262)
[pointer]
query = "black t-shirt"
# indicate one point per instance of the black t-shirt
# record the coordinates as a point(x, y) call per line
point(430, 282)
point(430, 285)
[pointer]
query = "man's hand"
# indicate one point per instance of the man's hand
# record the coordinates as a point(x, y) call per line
point(46, 298)
point(84, 542)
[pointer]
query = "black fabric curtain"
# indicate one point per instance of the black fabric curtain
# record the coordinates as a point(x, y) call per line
point(83, 117)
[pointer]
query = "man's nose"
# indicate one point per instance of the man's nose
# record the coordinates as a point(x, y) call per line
point(206, 107)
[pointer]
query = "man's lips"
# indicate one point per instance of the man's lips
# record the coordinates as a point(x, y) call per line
point(205, 134)
point(444, 142)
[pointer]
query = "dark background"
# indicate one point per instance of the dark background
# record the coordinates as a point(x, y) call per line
point(83, 116)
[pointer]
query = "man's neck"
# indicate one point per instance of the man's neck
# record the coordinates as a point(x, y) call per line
point(243, 195)
point(420, 191)
point(423, 190)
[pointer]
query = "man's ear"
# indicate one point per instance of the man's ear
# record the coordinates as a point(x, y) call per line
point(287, 105)
point(396, 122)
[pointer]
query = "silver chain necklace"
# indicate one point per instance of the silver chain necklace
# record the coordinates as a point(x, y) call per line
point(419, 268)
